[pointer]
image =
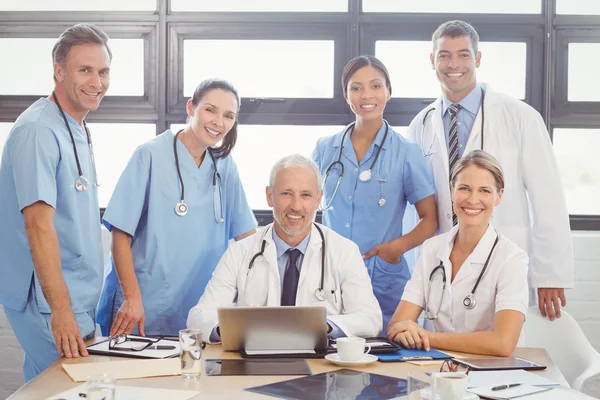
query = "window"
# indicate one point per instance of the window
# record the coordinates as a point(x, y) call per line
point(78, 5)
point(287, 68)
point(456, 6)
point(576, 154)
point(416, 79)
point(582, 85)
point(260, 5)
point(580, 7)
point(34, 65)
point(5, 128)
point(113, 146)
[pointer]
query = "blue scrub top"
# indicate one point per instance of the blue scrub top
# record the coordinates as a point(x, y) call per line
point(356, 214)
point(173, 256)
point(38, 164)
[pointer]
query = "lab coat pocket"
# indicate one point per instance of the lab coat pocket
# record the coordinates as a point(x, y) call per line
point(481, 317)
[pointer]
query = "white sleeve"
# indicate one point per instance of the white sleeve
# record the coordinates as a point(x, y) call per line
point(414, 291)
point(512, 291)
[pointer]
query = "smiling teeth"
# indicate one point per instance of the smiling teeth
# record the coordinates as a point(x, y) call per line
point(471, 211)
point(294, 216)
point(91, 94)
point(455, 75)
point(368, 106)
point(213, 133)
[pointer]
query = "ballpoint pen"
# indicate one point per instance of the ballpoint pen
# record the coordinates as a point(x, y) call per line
point(507, 386)
point(161, 347)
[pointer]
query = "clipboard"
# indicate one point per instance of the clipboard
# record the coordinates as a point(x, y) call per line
point(414, 355)
point(101, 349)
point(379, 345)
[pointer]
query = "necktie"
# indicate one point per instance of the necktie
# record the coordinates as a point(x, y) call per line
point(290, 279)
point(453, 147)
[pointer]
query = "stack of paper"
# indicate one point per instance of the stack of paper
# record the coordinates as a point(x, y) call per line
point(495, 378)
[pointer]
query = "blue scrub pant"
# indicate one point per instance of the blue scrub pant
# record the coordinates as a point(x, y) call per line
point(33, 331)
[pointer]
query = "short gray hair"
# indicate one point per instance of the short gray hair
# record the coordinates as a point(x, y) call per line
point(454, 29)
point(295, 160)
point(76, 35)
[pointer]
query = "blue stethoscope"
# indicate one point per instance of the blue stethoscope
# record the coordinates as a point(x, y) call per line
point(429, 152)
point(320, 293)
point(364, 176)
point(81, 183)
point(469, 302)
point(181, 208)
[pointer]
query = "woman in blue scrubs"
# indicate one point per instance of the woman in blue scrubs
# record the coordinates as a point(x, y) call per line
point(372, 171)
point(171, 216)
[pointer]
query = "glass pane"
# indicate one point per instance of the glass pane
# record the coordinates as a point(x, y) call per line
point(579, 7)
point(260, 5)
point(5, 128)
point(577, 156)
point(113, 146)
point(403, 130)
point(287, 68)
point(416, 79)
point(272, 142)
point(31, 72)
point(583, 83)
point(456, 6)
point(78, 5)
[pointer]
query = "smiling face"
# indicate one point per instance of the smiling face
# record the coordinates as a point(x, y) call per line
point(454, 61)
point(213, 117)
point(367, 93)
point(474, 196)
point(84, 77)
point(294, 198)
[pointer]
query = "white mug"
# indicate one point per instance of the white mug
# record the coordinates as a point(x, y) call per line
point(351, 348)
point(450, 385)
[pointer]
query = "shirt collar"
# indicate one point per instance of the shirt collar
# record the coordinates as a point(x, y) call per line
point(282, 246)
point(481, 251)
point(378, 138)
point(470, 102)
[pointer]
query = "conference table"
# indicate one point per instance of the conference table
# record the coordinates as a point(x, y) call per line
point(54, 380)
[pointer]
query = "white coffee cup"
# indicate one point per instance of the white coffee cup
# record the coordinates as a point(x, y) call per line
point(450, 385)
point(351, 348)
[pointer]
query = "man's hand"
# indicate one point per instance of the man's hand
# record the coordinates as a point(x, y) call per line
point(67, 334)
point(410, 334)
point(130, 314)
point(386, 251)
point(548, 301)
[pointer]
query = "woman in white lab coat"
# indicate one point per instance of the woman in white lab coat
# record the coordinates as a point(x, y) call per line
point(472, 280)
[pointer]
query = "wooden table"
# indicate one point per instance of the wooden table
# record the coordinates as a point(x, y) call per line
point(54, 380)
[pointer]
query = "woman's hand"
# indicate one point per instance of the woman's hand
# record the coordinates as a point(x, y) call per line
point(130, 314)
point(388, 252)
point(410, 334)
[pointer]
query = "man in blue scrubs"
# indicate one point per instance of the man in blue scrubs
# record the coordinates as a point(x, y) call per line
point(51, 254)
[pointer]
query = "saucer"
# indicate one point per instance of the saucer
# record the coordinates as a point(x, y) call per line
point(365, 360)
point(426, 394)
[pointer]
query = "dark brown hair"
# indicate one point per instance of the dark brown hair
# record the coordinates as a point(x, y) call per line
point(362, 61)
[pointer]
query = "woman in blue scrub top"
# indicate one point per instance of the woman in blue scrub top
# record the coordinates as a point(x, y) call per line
point(171, 216)
point(381, 172)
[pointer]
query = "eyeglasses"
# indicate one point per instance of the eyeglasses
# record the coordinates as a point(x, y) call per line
point(449, 366)
point(115, 341)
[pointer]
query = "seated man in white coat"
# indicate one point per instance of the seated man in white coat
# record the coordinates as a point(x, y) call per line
point(289, 270)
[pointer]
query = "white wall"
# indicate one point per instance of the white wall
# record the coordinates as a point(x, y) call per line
point(583, 303)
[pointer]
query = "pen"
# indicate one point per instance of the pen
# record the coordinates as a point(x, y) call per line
point(414, 358)
point(507, 386)
point(159, 347)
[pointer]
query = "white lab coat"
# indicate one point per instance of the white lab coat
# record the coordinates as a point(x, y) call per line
point(533, 212)
point(502, 287)
point(350, 301)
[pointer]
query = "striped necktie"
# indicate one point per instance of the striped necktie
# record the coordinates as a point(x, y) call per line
point(453, 147)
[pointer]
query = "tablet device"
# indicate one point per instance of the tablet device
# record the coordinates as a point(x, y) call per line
point(256, 367)
point(498, 363)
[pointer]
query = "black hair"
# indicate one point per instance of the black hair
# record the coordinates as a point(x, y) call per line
point(362, 61)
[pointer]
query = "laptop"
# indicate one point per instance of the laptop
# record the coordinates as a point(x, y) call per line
point(286, 331)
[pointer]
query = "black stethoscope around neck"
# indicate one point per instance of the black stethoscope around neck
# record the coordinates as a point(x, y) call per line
point(81, 182)
point(469, 302)
point(320, 293)
point(364, 176)
point(181, 208)
point(481, 106)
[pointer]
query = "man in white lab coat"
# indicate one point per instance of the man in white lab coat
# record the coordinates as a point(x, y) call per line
point(471, 116)
point(293, 261)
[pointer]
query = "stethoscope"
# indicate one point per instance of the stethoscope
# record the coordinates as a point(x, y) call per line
point(81, 183)
point(469, 302)
point(364, 176)
point(181, 208)
point(429, 152)
point(320, 293)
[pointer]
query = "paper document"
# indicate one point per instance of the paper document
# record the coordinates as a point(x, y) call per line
point(127, 369)
point(131, 393)
point(494, 378)
point(260, 352)
point(166, 349)
point(506, 394)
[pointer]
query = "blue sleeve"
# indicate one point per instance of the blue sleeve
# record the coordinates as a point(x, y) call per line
point(336, 332)
point(129, 199)
point(316, 156)
point(417, 181)
point(34, 155)
point(240, 216)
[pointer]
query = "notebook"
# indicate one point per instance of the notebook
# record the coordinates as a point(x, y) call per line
point(413, 355)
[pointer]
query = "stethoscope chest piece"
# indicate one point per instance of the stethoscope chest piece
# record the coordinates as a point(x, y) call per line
point(470, 301)
point(82, 184)
point(181, 208)
point(320, 294)
point(365, 176)
point(381, 202)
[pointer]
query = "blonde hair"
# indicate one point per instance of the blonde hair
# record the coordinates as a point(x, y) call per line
point(482, 160)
